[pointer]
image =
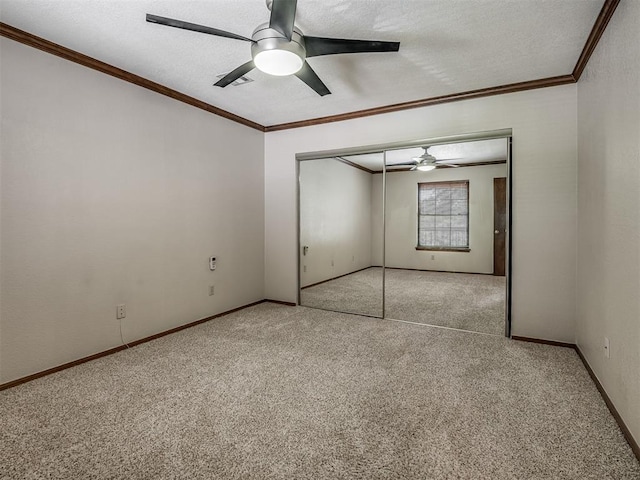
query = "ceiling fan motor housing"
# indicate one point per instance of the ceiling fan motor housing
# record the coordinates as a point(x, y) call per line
point(267, 39)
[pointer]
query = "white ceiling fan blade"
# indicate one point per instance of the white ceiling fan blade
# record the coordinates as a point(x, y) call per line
point(444, 162)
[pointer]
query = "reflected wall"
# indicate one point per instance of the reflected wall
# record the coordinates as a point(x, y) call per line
point(339, 221)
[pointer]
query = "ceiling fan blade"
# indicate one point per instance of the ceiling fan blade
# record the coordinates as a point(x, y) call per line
point(283, 15)
point(317, 46)
point(308, 76)
point(396, 164)
point(443, 162)
point(235, 74)
point(415, 167)
point(171, 22)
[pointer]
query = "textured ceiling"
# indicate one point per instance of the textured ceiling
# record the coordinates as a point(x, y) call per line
point(446, 47)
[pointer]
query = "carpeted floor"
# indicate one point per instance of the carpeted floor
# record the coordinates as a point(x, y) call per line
point(465, 301)
point(274, 392)
point(359, 292)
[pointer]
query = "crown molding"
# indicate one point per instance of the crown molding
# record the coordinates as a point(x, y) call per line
point(425, 102)
point(34, 41)
point(598, 29)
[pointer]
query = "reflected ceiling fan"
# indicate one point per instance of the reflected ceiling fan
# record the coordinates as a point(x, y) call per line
point(426, 162)
point(279, 47)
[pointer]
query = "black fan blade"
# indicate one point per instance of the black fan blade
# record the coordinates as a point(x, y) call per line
point(170, 22)
point(316, 46)
point(308, 76)
point(236, 74)
point(283, 15)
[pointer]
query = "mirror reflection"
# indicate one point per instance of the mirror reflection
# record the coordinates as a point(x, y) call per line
point(341, 233)
point(424, 227)
point(446, 235)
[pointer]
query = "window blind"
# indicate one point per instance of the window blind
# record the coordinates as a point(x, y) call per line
point(443, 214)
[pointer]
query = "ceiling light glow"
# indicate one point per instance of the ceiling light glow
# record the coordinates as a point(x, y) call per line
point(426, 168)
point(278, 62)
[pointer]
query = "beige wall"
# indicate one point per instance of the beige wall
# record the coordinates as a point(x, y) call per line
point(335, 219)
point(609, 212)
point(114, 194)
point(402, 224)
point(544, 201)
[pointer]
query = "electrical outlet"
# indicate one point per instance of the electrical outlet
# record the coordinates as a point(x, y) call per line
point(121, 311)
point(607, 348)
point(212, 290)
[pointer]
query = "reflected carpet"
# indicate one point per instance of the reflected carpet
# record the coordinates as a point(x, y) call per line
point(466, 301)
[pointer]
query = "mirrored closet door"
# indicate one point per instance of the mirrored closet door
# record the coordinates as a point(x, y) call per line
point(416, 232)
point(445, 235)
point(341, 233)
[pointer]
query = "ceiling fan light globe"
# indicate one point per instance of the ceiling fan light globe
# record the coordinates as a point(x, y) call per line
point(426, 168)
point(278, 62)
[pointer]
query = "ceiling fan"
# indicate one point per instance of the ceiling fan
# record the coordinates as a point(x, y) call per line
point(280, 48)
point(426, 162)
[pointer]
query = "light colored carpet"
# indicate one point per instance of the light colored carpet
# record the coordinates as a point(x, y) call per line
point(275, 392)
point(466, 301)
point(359, 292)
